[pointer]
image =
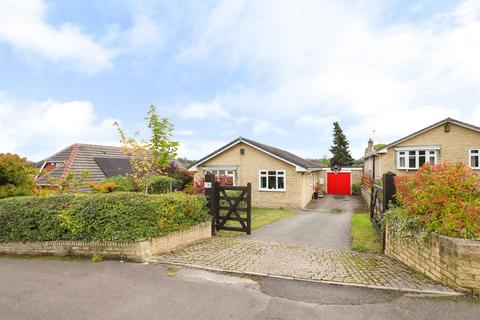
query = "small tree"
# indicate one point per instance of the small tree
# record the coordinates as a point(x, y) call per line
point(341, 154)
point(16, 176)
point(150, 157)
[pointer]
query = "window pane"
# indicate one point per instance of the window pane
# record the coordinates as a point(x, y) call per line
point(421, 160)
point(263, 183)
point(280, 173)
point(474, 151)
point(281, 183)
point(474, 161)
point(263, 172)
point(402, 162)
point(421, 152)
point(272, 173)
point(411, 153)
point(272, 182)
point(432, 160)
point(402, 153)
point(411, 161)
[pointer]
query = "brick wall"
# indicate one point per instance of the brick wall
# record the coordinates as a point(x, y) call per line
point(451, 261)
point(134, 250)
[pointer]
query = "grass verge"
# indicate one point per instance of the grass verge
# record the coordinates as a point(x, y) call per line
point(365, 237)
point(260, 217)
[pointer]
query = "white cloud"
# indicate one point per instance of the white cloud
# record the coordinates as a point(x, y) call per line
point(337, 58)
point(184, 132)
point(265, 127)
point(201, 110)
point(23, 25)
point(197, 149)
point(39, 129)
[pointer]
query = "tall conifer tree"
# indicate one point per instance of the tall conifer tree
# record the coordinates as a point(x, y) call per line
point(341, 154)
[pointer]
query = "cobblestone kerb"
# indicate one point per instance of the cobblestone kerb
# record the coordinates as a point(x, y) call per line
point(452, 261)
point(133, 250)
point(301, 263)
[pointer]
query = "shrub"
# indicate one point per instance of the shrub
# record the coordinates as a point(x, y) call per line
point(119, 216)
point(441, 198)
point(124, 184)
point(199, 186)
point(103, 187)
point(356, 189)
point(161, 184)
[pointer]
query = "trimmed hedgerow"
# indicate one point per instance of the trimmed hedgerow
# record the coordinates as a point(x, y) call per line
point(119, 216)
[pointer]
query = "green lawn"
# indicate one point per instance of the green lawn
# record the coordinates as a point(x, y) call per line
point(260, 218)
point(365, 237)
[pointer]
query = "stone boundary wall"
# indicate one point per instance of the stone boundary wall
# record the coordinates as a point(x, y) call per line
point(365, 195)
point(451, 261)
point(133, 250)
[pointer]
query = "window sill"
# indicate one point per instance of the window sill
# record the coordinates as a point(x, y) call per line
point(404, 169)
point(271, 190)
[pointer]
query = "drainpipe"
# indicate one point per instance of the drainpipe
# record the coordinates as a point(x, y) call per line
point(373, 175)
point(303, 195)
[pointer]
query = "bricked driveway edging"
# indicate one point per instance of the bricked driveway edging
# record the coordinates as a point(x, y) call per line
point(297, 262)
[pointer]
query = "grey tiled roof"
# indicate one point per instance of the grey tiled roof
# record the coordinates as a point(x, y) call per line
point(283, 154)
point(78, 158)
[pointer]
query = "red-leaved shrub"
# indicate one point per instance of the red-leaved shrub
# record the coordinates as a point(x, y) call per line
point(442, 198)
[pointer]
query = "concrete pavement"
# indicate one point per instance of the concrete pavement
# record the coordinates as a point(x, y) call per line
point(48, 289)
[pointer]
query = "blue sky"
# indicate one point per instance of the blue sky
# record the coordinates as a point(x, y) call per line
point(276, 71)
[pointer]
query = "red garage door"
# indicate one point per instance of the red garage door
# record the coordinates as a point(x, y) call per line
point(338, 183)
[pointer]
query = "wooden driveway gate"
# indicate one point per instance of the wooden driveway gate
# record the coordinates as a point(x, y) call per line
point(230, 206)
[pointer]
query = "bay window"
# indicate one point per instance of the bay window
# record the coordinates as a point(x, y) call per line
point(272, 180)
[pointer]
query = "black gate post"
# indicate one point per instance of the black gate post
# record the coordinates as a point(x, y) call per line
point(215, 205)
point(389, 192)
point(210, 195)
point(389, 189)
point(249, 208)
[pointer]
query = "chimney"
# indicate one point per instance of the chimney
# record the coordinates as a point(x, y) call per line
point(370, 145)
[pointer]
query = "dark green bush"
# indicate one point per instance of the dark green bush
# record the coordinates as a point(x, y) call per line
point(113, 216)
point(162, 184)
point(356, 189)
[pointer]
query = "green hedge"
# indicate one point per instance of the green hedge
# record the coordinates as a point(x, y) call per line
point(119, 216)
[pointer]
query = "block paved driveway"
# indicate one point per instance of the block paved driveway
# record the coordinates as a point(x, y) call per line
point(311, 246)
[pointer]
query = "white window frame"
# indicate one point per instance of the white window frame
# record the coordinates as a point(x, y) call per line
point(227, 174)
point(407, 155)
point(470, 154)
point(261, 174)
